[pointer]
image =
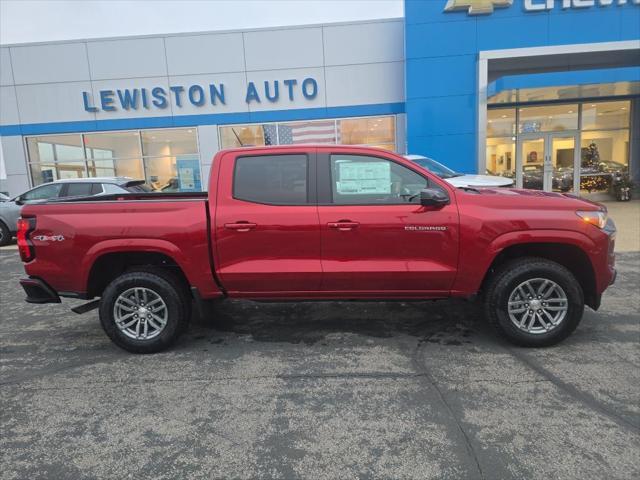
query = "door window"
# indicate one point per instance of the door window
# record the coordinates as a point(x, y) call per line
point(43, 193)
point(272, 179)
point(360, 179)
point(78, 189)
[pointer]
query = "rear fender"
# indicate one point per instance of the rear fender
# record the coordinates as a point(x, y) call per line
point(149, 245)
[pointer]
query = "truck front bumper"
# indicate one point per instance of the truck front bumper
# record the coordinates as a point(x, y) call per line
point(38, 291)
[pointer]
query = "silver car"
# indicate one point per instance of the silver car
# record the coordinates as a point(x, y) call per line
point(72, 187)
point(460, 179)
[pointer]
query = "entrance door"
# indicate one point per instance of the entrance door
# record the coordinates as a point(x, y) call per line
point(547, 161)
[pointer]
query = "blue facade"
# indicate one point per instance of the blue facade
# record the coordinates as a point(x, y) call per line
point(442, 52)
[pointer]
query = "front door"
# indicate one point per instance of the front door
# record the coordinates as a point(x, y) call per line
point(267, 235)
point(376, 237)
point(547, 161)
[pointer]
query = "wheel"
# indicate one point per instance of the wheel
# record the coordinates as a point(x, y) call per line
point(5, 235)
point(145, 311)
point(534, 302)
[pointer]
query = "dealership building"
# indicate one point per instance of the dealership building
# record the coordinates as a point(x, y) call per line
point(544, 91)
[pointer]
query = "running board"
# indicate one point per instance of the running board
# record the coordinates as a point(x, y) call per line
point(87, 307)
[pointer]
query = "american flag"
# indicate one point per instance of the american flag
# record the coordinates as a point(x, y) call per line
point(323, 131)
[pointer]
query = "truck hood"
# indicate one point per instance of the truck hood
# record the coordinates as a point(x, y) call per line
point(516, 197)
point(479, 181)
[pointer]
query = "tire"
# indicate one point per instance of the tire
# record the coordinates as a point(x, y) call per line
point(503, 293)
point(167, 317)
point(5, 235)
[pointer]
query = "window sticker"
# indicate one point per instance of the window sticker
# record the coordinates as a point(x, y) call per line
point(364, 178)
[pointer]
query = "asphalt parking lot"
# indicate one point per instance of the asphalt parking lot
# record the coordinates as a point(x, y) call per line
point(326, 390)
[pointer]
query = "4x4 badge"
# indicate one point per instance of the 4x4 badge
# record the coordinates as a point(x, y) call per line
point(49, 238)
point(476, 7)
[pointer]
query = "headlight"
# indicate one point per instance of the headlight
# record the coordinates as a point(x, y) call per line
point(594, 217)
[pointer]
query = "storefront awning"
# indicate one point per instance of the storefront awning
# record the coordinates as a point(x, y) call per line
point(565, 85)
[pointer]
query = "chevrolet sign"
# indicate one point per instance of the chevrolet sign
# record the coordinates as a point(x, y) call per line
point(477, 7)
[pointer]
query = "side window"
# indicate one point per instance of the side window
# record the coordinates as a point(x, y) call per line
point(96, 188)
point(359, 179)
point(272, 179)
point(110, 188)
point(43, 193)
point(78, 189)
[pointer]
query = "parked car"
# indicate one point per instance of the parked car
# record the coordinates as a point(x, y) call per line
point(460, 179)
point(72, 187)
point(4, 198)
point(304, 222)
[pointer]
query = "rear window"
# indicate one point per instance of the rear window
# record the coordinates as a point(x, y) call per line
point(79, 189)
point(272, 179)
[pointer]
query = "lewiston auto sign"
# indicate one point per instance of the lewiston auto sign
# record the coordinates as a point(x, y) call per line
point(198, 95)
point(479, 7)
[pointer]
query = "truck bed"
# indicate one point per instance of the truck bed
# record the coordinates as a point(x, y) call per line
point(86, 230)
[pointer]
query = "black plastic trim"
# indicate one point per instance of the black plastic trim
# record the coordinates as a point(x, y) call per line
point(38, 291)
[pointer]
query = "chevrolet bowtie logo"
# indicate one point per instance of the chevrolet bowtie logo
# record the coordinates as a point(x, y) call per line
point(476, 7)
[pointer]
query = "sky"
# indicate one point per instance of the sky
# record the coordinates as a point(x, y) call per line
point(25, 21)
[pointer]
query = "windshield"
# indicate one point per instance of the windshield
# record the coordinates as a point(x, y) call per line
point(437, 168)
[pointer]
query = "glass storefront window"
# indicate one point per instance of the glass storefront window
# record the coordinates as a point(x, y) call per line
point(235, 136)
point(604, 155)
point(112, 145)
point(501, 122)
point(372, 131)
point(548, 118)
point(162, 174)
point(48, 172)
point(169, 142)
point(501, 156)
point(55, 148)
point(316, 131)
point(108, 154)
point(102, 168)
point(605, 115)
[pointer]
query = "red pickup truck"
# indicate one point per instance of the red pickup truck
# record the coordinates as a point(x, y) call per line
point(319, 222)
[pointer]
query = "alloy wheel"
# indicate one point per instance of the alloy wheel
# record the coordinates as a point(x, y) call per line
point(140, 313)
point(537, 306)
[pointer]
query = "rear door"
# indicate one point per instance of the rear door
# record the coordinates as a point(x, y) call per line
point(377, 240)
point(267, 234)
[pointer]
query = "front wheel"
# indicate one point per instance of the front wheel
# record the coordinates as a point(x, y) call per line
point(144, 311)
point(534, 302)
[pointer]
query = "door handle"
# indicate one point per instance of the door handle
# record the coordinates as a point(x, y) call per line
point(343, 225)
point(240, 226)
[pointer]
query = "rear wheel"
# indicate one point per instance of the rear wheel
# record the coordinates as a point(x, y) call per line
point(5, 235)
point(145, 311)
point(534, 302)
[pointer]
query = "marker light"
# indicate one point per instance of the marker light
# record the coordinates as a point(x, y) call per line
point(597, 218)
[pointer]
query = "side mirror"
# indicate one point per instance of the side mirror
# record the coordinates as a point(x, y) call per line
point(18, 200)
point(433, 197)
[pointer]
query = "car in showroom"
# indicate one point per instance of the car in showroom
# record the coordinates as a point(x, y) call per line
point(70, 187)
point(460, 179)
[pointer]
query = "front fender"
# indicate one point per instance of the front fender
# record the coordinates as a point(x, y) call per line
point(476, 261)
